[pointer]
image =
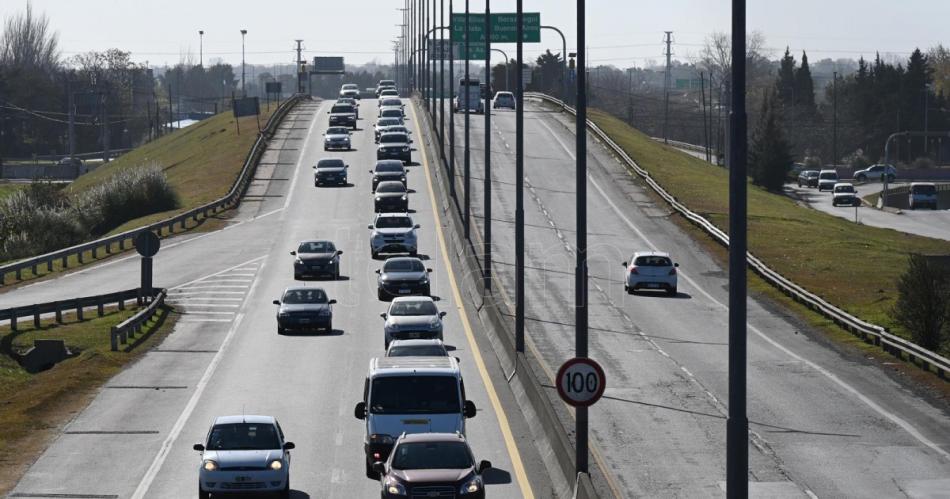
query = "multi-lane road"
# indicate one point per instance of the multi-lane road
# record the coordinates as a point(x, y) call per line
point(224, 356)
point(823, 421)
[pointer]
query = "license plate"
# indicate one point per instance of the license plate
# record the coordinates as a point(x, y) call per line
point(414, 336)
point(242, 478)
point(403, 291)
point(305, 321)
point(652, 285)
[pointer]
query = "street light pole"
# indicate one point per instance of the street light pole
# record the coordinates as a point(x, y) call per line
point(503, 54)
point(201, 47)
point(580, 271)
point(487, 238)
point(465, 185)
point(519, 179)
point(451, 111)
point(834, 121)
point(243, 88)
point(442, 81)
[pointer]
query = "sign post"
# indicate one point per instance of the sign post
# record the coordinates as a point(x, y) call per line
point(581, 382)
point(147, 244)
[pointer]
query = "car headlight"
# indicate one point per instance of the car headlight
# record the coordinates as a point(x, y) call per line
point(379, 198)
point(402, 178)
point(377, 237)
point(425, 280)
point(405, 149)
point(405, 198)
point(393, 487)
point(276, 464)
point(325, 312)
point(472, 486)
point(209, 465)
point(434, 322)
point(298, 261)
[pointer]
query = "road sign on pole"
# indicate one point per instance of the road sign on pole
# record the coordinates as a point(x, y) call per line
point(581, 382)
point(504, 27)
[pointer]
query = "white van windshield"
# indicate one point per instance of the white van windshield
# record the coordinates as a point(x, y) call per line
point(415, 395)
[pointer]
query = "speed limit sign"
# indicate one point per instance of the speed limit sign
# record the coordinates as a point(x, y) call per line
point(581, 382)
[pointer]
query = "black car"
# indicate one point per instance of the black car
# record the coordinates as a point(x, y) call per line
point(431, 465)
point(343, 115)
point(402, 276)
point(317, 258)
point(303, 308)
point(388, 170)
point(330, 171)
point(394, 145)
point(391, 197)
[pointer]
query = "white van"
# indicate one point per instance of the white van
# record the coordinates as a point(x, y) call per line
point(922, 194)
point(410, 395)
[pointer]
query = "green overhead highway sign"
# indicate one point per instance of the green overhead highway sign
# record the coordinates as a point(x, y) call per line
point(476, 51)
point(504, 28)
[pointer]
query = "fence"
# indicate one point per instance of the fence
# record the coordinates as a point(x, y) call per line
point(128, 328)
point(867, 331)
point(230, 200)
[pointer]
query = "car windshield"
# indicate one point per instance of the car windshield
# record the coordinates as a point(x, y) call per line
point(392, 102)
point(342, 108)
point(393, 138)
point(337, 130)
point(350, 86)
point(828, 175)
point(653, 261)
point(413, 307)
point(392, 113)
point(923, 189)
point(415, 395)
point(388, 122)
point(384, 83)
point(389, 167)
point(391, 187)
point(403, 266)
point(330, 163)
point(316, 247)
point(418, 351)
point(844, 188)
point(811, 174)
point(393, 223)
point(432, 456)
point(243, 436)
point(300, 296)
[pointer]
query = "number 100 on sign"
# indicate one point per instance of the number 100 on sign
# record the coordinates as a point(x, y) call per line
point(581, 382)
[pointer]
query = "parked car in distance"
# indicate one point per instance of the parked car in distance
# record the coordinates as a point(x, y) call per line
point(827, 180)
point(416, 348)
point(402, 276)
point(242, 450)
point(421, 464)
point(808, 178)
point(922, 194)
point(337, 137)
point(388, 170)
point(504, 100)
point(844, 194)
point(316, 258)
point(393, 233)
point(876, 173)
point(304, 308)
point(410, 318)
point(650, 270)
point(330, 171)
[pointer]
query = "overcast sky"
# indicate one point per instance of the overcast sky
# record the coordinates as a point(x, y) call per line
point(623, 33)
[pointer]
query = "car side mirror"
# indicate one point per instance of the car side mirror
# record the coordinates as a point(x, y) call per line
point(370, 226)
point(458, 360)
point(624, 264)
point(483, 466)
point(293, 253)
point(332, 302)
point(359, 412)
point(314, 167)
point(428, 270)
point(470, 409)
point(289, 446)
point(384, 315)
point(276, 302)
point(371, 171)
point(379, 467)
point(198, 447)
point(377, 271)
point(417, 226)
point(442, 314)
point(676, 265)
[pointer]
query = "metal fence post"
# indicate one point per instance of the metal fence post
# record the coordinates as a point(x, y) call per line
point(79, 309)
point(113, 340)
point(36, 316)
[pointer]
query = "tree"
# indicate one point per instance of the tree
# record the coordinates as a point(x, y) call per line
point(785, 84)
point(804, 86)
point(769, 155)
point(27, 43)
point(923, 303)
point(939, 57)
point(546, 76)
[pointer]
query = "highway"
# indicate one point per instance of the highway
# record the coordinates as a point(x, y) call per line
point(224, 356)
point(824, 421)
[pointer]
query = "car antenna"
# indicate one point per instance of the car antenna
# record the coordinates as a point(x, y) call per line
point(243, 417)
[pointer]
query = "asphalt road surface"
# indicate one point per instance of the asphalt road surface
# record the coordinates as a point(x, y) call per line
point(225, 357)
point(823, 423)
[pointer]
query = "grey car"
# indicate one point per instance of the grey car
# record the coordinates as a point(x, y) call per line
point(387, 170)
point(303, 308)
point(412, 317)
point(402, 276)
point(330, 171)
point(316, 258)
point(337, 137)
point(394, 145)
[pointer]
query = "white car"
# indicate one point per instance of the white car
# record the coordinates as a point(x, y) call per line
point(337, 137)
point(650, 270)
point(827, 180)
point(412, 318)
point(844, 194)
point(504, 100)
point(393, 233)
point(417, 348)
point(922, 194)
point(244, 454)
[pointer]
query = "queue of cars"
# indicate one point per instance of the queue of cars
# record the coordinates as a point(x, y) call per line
point(842, 193)
point(414, 405)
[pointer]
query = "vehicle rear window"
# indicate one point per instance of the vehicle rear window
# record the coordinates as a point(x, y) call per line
point(390, 113)
point(828, 175)
point(432, 455)
point(653, 261)
point(392, 102)
point(415, 395)
point(923, 189)
point(844, 188)
point(403, 266)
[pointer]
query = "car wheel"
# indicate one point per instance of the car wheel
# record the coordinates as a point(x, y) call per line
point(381, 295)
point(370, 473)
point(631, 291)
point(202, 494)
point(281, 331)
point(336, 274)
point(413, 252)
point(374, 254)
point(427, 291)
point(862, 177)
point(330, 326)
point(671, 291)
point(285, 493)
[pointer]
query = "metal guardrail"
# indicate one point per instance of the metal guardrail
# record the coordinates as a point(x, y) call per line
point(869, 332)
point(73, 304)
point(121, 332)
point(230, 200)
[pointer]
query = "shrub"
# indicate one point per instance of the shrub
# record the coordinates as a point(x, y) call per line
point(128, 195)
point(923, 303)
point(812, 162)
point(858, 161)
point(923, 163)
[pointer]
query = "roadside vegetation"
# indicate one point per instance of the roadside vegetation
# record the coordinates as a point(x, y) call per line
point(856, 267)
point(6, 189)
point(34, 407)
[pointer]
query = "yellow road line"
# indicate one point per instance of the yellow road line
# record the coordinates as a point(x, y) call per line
point(500, 415)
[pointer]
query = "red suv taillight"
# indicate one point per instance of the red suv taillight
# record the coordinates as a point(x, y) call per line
point(633, 270)
point(673, 271)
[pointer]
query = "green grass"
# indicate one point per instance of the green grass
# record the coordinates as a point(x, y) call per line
point(6, 189)
point(855, 267)
point(33, 407)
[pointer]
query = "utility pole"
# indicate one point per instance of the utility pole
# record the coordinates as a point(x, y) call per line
point(702, 89)
point(465, 185)
point(299, 65)
point(487, 238)
point(442, 80)
point(834, 120)
point(580, 270)
point(451, 111)
point(104, 122)
point(667, 83)
point(519, 182)
point(72, 117)
point(201, 48)
point(243, 89)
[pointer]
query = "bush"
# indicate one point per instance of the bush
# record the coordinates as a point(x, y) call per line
point(812, 163)
point(923, 163)
point(923, 303)
point(858, 161)
point(128, 195)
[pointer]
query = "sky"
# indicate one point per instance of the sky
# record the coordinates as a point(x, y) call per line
point(622, 33)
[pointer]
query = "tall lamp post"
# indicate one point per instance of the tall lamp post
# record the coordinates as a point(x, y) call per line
point(201, 47)
point(243, 90)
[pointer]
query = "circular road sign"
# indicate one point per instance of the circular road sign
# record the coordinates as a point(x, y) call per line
point(147, 243)
point(581, 382)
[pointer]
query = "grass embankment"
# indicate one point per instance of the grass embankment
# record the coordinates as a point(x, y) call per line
point(7, 188)
point(855, 267)
point(34, 407)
